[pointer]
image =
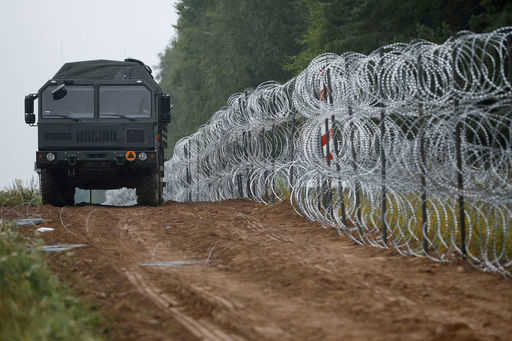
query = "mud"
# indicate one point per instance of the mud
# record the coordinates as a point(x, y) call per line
point(253, 272)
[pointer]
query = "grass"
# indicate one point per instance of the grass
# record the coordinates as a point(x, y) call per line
point(282, 189)
point(488, 227)
point(34, 305)
point(19, 194)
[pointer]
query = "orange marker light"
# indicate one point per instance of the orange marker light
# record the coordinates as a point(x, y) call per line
point(130, 156)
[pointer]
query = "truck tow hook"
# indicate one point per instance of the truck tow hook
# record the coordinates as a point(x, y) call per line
point(72, 159)
point(119, 160)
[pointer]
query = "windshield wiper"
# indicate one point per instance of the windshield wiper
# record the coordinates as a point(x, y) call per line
point(122, 116)
point(63, 116)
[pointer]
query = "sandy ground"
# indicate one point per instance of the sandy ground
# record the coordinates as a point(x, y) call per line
point(261, 273)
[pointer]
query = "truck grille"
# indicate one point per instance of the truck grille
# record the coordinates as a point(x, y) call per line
point(57, 136)
point(96, 136)
point(135, 136)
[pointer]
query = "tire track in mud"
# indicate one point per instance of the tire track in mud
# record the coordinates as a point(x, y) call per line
point(199, 328)
point(132, 237)
point(222, 317)
point(271, 275)
point(203, 330)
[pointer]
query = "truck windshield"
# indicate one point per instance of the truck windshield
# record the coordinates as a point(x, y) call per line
point(129, 101)
point(77, 103)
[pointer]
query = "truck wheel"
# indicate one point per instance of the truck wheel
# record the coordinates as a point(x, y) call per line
point(149, 190)
point(52, 192)
point(68, 195)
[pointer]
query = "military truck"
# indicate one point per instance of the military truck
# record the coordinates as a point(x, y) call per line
point(102, 124)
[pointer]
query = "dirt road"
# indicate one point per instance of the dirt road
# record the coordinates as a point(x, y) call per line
point(253, 272)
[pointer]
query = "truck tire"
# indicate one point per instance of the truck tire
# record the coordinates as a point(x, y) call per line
point(68, 194)
point(149, 190)
point(53, 192)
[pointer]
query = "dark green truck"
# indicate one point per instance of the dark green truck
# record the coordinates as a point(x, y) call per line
point(101, 125)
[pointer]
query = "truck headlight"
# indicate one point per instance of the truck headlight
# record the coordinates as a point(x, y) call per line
point(143, 156)
point(50, 157)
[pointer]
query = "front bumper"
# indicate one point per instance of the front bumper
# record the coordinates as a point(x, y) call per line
point(96, 159)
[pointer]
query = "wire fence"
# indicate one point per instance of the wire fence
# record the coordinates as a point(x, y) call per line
point(408, 147)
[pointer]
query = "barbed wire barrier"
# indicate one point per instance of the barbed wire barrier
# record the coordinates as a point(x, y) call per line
point(121, 197)
point(408, 147)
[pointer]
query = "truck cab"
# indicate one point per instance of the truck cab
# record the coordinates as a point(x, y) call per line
point(101, 124)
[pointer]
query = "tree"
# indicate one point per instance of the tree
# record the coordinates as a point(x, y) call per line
point(225, 46)
point(363, 26)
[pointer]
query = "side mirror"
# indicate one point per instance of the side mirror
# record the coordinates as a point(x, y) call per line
point(30, 118)
point(59, 92)
point(164, 108)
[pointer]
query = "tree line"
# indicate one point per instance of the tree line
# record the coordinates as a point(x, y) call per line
point(225, 46)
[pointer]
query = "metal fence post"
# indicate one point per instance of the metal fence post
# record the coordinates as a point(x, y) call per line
point(272, 156)
point(354, 167)
point(460, 182)
point(197, 173)
point(336, 151)
point(509, 50)
point(265, 173)
point(383, 160)
point(328, 149)
point(249, 152)
point(186, 150)
point(246, 155)
point(292, 146)
point(239, 176)
point(341, 190)
point(328, 161)
point(424, 216)
point(239, 183)
point(460, 171)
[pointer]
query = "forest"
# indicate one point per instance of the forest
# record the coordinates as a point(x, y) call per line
point(221, 47)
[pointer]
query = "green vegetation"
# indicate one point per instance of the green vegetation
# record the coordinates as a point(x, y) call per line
point(487, 226)
point(19, 194)
point(363, 26)
point(225, 46)
point(222, 47)
point(33, 304)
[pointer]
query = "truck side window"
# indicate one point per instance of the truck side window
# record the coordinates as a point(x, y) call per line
point(78, 102)
point(128, 100)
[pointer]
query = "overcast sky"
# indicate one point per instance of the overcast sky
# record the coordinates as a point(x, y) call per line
point(37, 37)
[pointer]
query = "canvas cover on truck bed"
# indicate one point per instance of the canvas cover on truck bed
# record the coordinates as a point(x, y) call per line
point(106, 70)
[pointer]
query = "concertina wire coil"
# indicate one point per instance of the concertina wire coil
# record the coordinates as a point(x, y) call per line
point(408, 147)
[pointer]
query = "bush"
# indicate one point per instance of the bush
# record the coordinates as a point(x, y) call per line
point(33, 304)
point(19, 194)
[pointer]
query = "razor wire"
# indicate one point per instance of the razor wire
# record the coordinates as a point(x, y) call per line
point(408, 147)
